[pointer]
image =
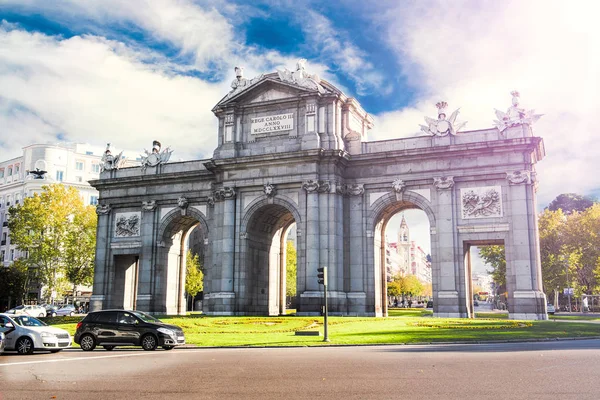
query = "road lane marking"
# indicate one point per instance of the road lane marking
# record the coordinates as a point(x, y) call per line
point(74, 359)
point(145, 353)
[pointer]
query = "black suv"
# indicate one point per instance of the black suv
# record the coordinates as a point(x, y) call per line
point(110, 328)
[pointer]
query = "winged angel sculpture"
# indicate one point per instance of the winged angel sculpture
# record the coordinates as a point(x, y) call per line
point(515, 115)
point(442, 126)
point(110, 162)
point(152, 159)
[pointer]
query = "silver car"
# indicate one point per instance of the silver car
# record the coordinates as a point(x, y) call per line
point(34, 311)
point(24, 334)
point(2, 342)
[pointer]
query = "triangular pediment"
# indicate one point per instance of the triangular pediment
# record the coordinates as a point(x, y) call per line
point(265, 90)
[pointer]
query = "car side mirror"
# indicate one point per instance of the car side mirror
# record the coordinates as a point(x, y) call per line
point(9, 325)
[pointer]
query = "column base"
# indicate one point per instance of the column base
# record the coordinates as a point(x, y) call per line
point(219, 303)
point(96, 302)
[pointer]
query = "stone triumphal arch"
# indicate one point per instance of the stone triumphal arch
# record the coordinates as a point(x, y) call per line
point(293, 149)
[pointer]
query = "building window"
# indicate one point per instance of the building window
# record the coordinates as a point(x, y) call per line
point(89, 153)
point(59, 175)
point(9, 171)
point(96, 168)
point(16, 170)
point(79, 165)
point(2, 254)
point(79, 179)
point(12, 254)
point(93, 200)
point(2, 173)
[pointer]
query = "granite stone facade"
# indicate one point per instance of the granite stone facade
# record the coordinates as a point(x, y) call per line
point(292, 152)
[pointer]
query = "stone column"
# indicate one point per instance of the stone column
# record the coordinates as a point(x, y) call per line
point(356, 296)
point(523, 271)
point(221, 299)
point(446, 299)
point(146, 261)
point(101, 266)
point(310, 299)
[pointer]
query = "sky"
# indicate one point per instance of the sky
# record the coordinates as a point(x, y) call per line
point(129, 72)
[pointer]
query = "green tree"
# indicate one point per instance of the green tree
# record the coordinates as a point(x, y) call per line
point(290, 269)
point(412, 286)
point(394, 288)
point(551, 225)
point(493, 256)
point(582, 244)
point(194, 277)
point(43, 226)
point(14, 282)
point(80, 248)
point(570, 202)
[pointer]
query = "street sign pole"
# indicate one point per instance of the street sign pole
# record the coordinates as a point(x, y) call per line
point(325, 335)
point(322, 278)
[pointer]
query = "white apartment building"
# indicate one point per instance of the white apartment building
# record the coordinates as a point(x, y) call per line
point(72, 164)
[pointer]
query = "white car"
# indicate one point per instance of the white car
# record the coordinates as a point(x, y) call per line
point(24, 334)
point(34, 311)
point(550, 308)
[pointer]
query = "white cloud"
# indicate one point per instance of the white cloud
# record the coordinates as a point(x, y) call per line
point(350, 59)
point(89, 89)
point(473, 54)
point(202, 33)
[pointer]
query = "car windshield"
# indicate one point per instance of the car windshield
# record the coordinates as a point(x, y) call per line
point(145, 317)
point(68, 308)
point(25, 320)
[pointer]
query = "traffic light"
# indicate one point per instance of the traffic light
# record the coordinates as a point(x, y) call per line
point(322, 275)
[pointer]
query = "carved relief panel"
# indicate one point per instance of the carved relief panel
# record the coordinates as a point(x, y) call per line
point(481, 202)
point(127, 224)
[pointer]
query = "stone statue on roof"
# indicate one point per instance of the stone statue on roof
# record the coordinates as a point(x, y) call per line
point(109, 162)
point(300, 77)
point(515, 115)
point(442, 126)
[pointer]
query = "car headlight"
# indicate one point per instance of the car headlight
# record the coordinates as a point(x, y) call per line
point(47, 334)
point(166, 331)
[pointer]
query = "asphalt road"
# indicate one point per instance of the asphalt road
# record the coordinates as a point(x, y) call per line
point(557, 370)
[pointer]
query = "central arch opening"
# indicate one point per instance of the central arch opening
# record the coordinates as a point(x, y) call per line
point(403, 258)
point(265, 277)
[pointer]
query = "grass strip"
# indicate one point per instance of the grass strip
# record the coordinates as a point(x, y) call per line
point(408, 326)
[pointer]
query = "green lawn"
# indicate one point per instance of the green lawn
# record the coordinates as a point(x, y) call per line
point(575, 317)
point(405, 326)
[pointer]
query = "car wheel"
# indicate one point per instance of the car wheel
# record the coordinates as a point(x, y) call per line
point(149, 342)
point(168, 347)
point(109, 348)
point(54, 314)
point(25, 345)
point(71, 313)
point(87, 343)
point(41, 315)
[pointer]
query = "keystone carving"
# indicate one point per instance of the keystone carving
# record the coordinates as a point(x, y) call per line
point(182, 202)
point(270, 190)
point(398, 185)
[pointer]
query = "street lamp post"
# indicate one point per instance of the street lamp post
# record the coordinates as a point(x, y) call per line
point(568, 286)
